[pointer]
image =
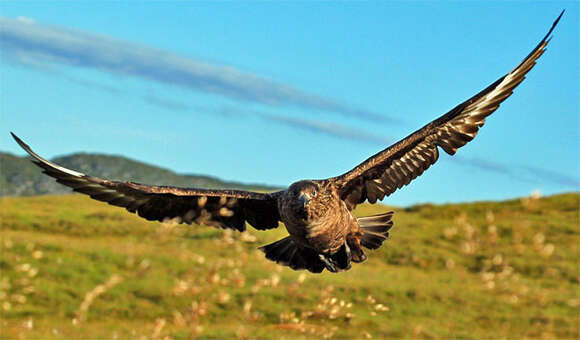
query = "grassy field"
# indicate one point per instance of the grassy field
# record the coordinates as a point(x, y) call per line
point(76, 268)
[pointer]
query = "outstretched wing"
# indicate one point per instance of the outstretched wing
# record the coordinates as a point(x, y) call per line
point(219, 208)
point(399, 164)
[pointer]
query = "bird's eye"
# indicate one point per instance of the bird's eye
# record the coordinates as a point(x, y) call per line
point(314, 192)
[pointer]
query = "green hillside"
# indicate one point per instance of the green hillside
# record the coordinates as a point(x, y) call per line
point(76, 268)
point(19, 177)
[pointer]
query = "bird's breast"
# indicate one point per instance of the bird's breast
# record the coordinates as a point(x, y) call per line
point(329, 233)
point(325, 234)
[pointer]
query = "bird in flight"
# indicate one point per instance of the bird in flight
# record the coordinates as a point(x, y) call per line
point(323, 232)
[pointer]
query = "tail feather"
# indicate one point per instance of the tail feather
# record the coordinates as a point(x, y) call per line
point(375, 229)
point(285, 252)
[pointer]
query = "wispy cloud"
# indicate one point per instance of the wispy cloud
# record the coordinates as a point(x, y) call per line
point(92, 85)
point(28, 42)
point(489, 166)
point(552, 176)
point(178, 106)
point(522, 173)
point(310, 125)
point(329, 129)
point(166, 103)
point(38, 65)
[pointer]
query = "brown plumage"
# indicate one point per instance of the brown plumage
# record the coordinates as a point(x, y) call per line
point(317, 213)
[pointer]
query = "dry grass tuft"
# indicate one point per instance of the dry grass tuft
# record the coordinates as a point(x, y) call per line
point(93, 294)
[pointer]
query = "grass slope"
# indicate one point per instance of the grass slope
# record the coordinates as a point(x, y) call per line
point(76, 268)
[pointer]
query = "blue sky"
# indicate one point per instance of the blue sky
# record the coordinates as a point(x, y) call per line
point(274, 92)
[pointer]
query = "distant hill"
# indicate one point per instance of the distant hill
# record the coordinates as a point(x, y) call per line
point(19, 177)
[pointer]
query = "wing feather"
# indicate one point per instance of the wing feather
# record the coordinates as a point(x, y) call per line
point(219, 208)
point(396, 166)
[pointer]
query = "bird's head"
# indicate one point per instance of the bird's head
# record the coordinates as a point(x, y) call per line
point(303, 195)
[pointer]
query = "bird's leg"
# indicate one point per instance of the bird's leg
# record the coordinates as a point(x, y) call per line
point(347, 250)
point(348, 256)
point(338, 261)
point(328, 263)
point(358, 254)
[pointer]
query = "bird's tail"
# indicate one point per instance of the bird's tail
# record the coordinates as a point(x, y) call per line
point(375, 229)
point(287, 253)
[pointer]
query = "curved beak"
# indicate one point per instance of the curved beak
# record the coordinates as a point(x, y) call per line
point(304, 198)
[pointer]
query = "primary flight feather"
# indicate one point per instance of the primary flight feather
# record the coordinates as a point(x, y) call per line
point(324, 234)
